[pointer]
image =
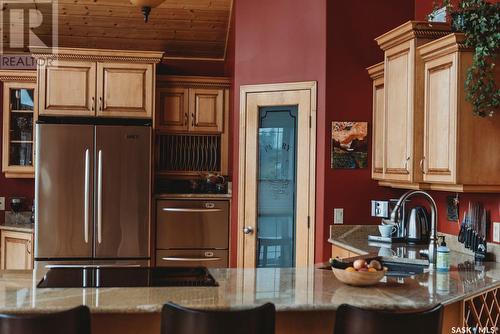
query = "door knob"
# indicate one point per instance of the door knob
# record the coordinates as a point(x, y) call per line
point(248, 230)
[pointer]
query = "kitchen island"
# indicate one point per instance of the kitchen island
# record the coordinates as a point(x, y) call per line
point(305, 298)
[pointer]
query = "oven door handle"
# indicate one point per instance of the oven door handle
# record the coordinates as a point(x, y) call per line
point(190, 210)
point(84, 266)
point(190, 259)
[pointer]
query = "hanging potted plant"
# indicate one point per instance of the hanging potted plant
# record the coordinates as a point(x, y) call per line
point(479, 20)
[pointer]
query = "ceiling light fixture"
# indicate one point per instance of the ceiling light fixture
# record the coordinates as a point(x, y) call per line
point(146, 6)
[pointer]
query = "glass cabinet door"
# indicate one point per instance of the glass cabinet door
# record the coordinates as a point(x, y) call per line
point(18, 135)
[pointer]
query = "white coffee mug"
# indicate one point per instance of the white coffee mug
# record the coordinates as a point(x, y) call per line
point(386, 230)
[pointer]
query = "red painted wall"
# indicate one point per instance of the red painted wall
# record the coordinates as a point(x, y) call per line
point(280, 41)
point(351, 29)
point(192, 67)
point(14, 187)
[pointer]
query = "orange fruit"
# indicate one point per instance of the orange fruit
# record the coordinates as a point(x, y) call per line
point(372, 270)
point(350, 269)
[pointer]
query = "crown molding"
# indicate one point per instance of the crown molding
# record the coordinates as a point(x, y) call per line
point(412, 30)
point(99, 55)
point(18, 76)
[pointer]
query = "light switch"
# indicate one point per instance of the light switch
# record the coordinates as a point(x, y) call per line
point(2, 203)
point(338, 216)
point(496, 232)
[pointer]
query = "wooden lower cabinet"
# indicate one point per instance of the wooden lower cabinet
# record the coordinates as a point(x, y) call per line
point(16, 250)
point(289, 322)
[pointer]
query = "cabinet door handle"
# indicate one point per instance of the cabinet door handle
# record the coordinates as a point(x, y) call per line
point(92, 105)
point(186, 118)
point(190, 259)
point(28, 247)
point(192, 119)
point(422, 165)
point(406, 163)
point(100, 103)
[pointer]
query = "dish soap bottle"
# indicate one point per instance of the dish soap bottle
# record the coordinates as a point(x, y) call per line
point(443, 256)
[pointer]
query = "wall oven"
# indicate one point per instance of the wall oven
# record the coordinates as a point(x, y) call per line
point(192, 233)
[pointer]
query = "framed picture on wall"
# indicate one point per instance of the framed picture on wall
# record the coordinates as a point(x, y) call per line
point(349, 145)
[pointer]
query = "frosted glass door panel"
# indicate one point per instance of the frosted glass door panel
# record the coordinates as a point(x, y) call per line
point(276, 186)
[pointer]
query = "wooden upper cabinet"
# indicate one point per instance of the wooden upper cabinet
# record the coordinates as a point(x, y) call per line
point(403, 100)
point(207, 110)
point(195, 105)
point(399, 115)
point(376, 73)
point(173, 109)
point(125, 90)
point(103, 83)
point(461, 150)
point(431, 138)
point(19, 117)
point(67, 88)
point(440, 120)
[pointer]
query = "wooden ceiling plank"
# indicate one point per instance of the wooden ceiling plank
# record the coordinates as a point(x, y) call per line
point(182, 28)
point(182, 4)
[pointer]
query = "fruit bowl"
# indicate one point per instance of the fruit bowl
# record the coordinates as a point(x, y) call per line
point(358, 278)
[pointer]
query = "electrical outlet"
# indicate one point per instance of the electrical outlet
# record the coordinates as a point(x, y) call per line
point(380, 209)
point(338, 216)
point(2, 203)
point(496, 232)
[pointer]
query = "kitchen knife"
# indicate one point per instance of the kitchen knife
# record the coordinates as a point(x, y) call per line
point(463, 228)
point(469, 227)
point(475, 236)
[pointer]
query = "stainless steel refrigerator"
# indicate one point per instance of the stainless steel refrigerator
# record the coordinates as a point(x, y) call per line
point(92, 194)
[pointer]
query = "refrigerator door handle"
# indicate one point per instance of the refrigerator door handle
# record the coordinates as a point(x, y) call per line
point(99, 197)
point(87, 194)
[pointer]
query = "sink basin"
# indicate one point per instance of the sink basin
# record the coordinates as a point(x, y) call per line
point(402, 269)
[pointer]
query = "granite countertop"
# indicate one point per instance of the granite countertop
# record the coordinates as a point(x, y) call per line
point(290, 289)
point(201, 196)
point(28, 227)
point(355, 239)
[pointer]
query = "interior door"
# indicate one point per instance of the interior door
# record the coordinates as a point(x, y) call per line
point(63, 191)
point(123, 184)
point(278, 185)
point(125, 90)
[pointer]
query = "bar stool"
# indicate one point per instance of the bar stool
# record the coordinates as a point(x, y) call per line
point(73, 321)
point(176, 319)
point(354, 320)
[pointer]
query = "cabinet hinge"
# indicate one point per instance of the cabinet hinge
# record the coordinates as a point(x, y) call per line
point(308, 222)
point(310, 121)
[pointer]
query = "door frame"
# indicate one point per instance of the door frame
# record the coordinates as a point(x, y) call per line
point(299, 87)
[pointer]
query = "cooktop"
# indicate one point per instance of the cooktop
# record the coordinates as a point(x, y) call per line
point(108, 277)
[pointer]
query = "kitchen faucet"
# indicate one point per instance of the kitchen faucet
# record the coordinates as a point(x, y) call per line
point(431, 252)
